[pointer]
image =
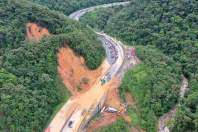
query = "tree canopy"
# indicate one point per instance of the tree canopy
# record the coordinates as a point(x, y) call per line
point(69, 6)
point(30, 87)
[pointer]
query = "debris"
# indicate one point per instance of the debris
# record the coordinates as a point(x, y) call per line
point(35, 32)
point(111, 110)
point(102, 110)
point(75, 75)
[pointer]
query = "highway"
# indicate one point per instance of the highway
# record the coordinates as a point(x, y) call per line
point(77, 14)
point(77, 112)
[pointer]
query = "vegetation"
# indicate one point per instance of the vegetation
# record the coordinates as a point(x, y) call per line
point(154, 85)
point(98, 19)
point(119, 126)
point(171, 27)
point(69, 6)
point(30, 88)
point(17, 15)
point(187, 114)
point(164, 33)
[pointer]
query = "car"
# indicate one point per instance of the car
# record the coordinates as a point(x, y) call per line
point(70, 124)
point(103, 81)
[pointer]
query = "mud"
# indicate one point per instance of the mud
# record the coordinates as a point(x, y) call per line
point(104, 120)
point(35, 32)
point(74, 73)
point(113, 100)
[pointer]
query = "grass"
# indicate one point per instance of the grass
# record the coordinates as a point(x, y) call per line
point(118, 126)
point(133, 113)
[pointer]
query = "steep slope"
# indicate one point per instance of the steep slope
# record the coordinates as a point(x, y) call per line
point(170, 26)
point(30, 88)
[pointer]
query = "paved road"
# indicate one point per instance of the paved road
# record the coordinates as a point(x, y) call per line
point(76, 15)
point(115, 55)
point(76, 113)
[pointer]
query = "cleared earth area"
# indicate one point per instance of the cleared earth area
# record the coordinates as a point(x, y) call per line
point(35, 32)
point(74, 73)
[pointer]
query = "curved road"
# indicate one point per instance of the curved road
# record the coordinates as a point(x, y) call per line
point(78, 111)
point(113, 48)
point(77, 14)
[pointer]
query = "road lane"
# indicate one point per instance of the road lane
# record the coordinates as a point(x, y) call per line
point(77, 14)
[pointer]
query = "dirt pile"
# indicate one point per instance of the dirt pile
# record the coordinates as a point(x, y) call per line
point(35, 32)
point(113, 100)
point(74, 73)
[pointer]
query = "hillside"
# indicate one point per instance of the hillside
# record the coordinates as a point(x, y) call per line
point(30, 88)
point(69, 6)
point(171, 27)
point(47, 60)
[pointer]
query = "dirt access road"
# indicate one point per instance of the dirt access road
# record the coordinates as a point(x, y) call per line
point(78, 110)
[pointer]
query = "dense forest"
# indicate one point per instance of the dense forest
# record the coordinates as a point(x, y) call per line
point(165, 34)
point(154, 84)
point(98, 19)
point(69, 6)
point(30, 88)
point(171, 27)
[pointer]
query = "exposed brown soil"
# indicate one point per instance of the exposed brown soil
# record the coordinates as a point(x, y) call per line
point(129, 99)
point(113, 100)
point(104, 120)
point(35, 32)
point(136, 129)
point(127, 118)
point(74, 73)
